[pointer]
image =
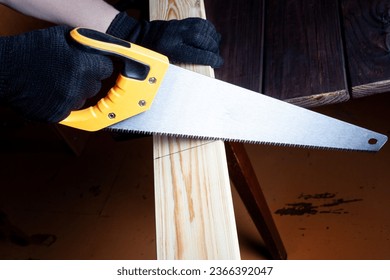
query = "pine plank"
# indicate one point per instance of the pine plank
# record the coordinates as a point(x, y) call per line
point(194, 210)
point(367, 41)
point(304, 61)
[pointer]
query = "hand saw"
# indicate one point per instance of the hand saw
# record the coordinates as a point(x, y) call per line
point(155, 97)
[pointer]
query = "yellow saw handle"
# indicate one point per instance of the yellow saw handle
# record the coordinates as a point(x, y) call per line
point(135, 87)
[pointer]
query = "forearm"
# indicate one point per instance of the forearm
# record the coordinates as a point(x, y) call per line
point(95, 14)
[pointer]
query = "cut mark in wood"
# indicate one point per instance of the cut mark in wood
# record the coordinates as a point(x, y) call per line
point(175, 150)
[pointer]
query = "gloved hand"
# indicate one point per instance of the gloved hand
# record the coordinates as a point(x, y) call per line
point(43, 76)
point(191, 40)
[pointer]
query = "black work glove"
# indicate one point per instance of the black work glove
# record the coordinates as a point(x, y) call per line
point(191, 40)
point(123, 5)
point(44, 76)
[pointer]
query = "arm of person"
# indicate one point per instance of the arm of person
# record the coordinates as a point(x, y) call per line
point(191, 40)
point(96, 14)
point(28, 61)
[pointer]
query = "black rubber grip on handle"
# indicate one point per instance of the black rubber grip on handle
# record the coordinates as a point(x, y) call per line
point(132, 69)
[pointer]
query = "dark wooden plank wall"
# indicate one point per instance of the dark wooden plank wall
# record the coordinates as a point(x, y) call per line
point(367, 40)
point(315, 52)
point(304, 61)
point(241, 26)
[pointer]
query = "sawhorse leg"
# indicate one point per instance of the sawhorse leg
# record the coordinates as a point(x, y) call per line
point(244, 179)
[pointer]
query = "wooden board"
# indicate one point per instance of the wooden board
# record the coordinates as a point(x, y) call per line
point(367, 40)
point(194, 210)
point(241, 26)
point(303, 59)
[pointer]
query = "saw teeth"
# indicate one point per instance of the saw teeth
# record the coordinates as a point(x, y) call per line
point(230, 140)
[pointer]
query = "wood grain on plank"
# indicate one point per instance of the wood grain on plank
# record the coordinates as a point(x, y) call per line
point(367, 40)
point(194, 210)
point(303, 52)
point(241, 26)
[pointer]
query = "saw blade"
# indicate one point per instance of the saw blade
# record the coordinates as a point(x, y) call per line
point(189, 104)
